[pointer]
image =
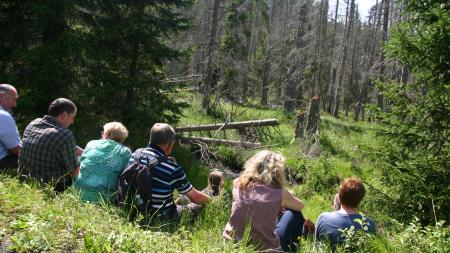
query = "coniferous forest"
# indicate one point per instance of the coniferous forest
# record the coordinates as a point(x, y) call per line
point(355, 94)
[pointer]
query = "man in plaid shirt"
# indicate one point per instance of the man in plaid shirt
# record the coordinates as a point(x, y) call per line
point(49, 152)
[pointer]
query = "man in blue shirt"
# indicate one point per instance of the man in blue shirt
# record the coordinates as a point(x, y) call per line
point(10, 143)
point(168, 176)
point(330, 224)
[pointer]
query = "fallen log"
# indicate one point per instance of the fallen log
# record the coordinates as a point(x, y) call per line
point(245, 144)
point(231, 125)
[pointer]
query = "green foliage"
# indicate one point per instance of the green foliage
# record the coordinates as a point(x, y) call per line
point(322, 177)
point(416, 156)
point(230, 157)
point(106, 56)
point(357, 240)
point(197, 173)
point(417, 238)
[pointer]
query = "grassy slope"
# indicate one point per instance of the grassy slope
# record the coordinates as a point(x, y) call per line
point(34, 220)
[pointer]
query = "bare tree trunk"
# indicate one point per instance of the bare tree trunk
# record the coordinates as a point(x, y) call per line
point(292, 89)
point(346, 39)
point(353, 83)
point(332, 71)
point(380, 98)
point(266, 74)
point(281, 79)
point(312, 125)
point(320, 48)
point(211, 58)
point(253, 33)
point(300, 125)
point(370, 45)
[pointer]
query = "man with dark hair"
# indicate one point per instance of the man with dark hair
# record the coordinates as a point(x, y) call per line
point(330, 224)
point(49, 152)
point(167, 175)
point(10, 143)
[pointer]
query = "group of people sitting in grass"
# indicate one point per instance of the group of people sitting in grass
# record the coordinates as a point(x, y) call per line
point(261, 204)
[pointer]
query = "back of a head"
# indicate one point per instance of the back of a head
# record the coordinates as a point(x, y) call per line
point(6, 88)
point(351, 192)
point(116, 131)
point(161, 133)
point(215, 181)
point(265, 167)
point(61, 105)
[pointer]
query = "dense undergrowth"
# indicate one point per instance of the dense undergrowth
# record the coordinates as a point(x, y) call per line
point(37, 220)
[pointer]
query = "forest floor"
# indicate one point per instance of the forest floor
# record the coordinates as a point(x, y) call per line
point(38, 220)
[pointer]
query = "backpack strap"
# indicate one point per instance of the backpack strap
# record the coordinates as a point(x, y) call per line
point(137, 157)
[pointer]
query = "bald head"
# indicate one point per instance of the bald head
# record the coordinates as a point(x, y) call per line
point(8, 96)
point(161, 134)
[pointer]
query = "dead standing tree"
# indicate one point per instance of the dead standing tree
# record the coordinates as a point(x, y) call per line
point(211, 56)
point(298, 57)
point(309, 136)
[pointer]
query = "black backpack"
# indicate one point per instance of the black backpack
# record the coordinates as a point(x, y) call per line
point(134, 188)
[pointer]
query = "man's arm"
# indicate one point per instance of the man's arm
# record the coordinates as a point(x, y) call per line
point(198, 197)
point(68, 155)
point(9, 136)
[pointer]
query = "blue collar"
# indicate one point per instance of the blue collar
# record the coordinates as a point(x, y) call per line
point(157, 149)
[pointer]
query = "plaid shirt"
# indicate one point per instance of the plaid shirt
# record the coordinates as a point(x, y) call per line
point(48, 151)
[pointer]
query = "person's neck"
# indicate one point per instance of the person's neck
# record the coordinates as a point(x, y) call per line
point(347, 210)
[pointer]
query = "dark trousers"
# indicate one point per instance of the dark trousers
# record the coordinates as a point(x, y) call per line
point(9, 162)
point(289, 228)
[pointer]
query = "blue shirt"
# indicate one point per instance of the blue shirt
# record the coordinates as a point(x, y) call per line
point(329, 224)
point(9, 135)
point(167, 176)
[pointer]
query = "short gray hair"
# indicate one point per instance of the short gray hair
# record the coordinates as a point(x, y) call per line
point(162, 133)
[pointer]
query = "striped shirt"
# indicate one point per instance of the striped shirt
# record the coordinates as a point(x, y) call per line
point(166, 177)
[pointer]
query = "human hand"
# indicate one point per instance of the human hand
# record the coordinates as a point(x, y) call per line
point(79, 151)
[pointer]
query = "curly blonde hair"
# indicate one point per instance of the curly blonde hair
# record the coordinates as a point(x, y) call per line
point(265, 167)
point(116, 131)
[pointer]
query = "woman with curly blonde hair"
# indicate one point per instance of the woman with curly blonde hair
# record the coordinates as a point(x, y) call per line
point(259, 195)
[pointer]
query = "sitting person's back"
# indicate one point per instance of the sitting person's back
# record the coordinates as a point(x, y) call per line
point(258, 197)
point(166, 177)
point(49, 153)
point(101, 164)
point(330, 225)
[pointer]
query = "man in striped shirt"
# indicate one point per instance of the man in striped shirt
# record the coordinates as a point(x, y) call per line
point(168, 175)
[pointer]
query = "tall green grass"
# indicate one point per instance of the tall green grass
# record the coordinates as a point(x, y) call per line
point(37, 220)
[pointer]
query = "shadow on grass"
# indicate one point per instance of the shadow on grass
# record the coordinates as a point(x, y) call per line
point(340, 126)
point(327, 146)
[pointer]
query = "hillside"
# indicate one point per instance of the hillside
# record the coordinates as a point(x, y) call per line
point(37, 220)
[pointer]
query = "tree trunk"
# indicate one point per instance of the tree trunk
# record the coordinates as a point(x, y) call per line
point(132, 74)
point(346, 39)
point(332, 71)
point(385, 4)
point(300, 125)
point(319, 48)
point(266, 74)
point(312, 125)
point(353, 82)
point(298, 63)
point(281, 79)
point(250, 45)
point(208, 77)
